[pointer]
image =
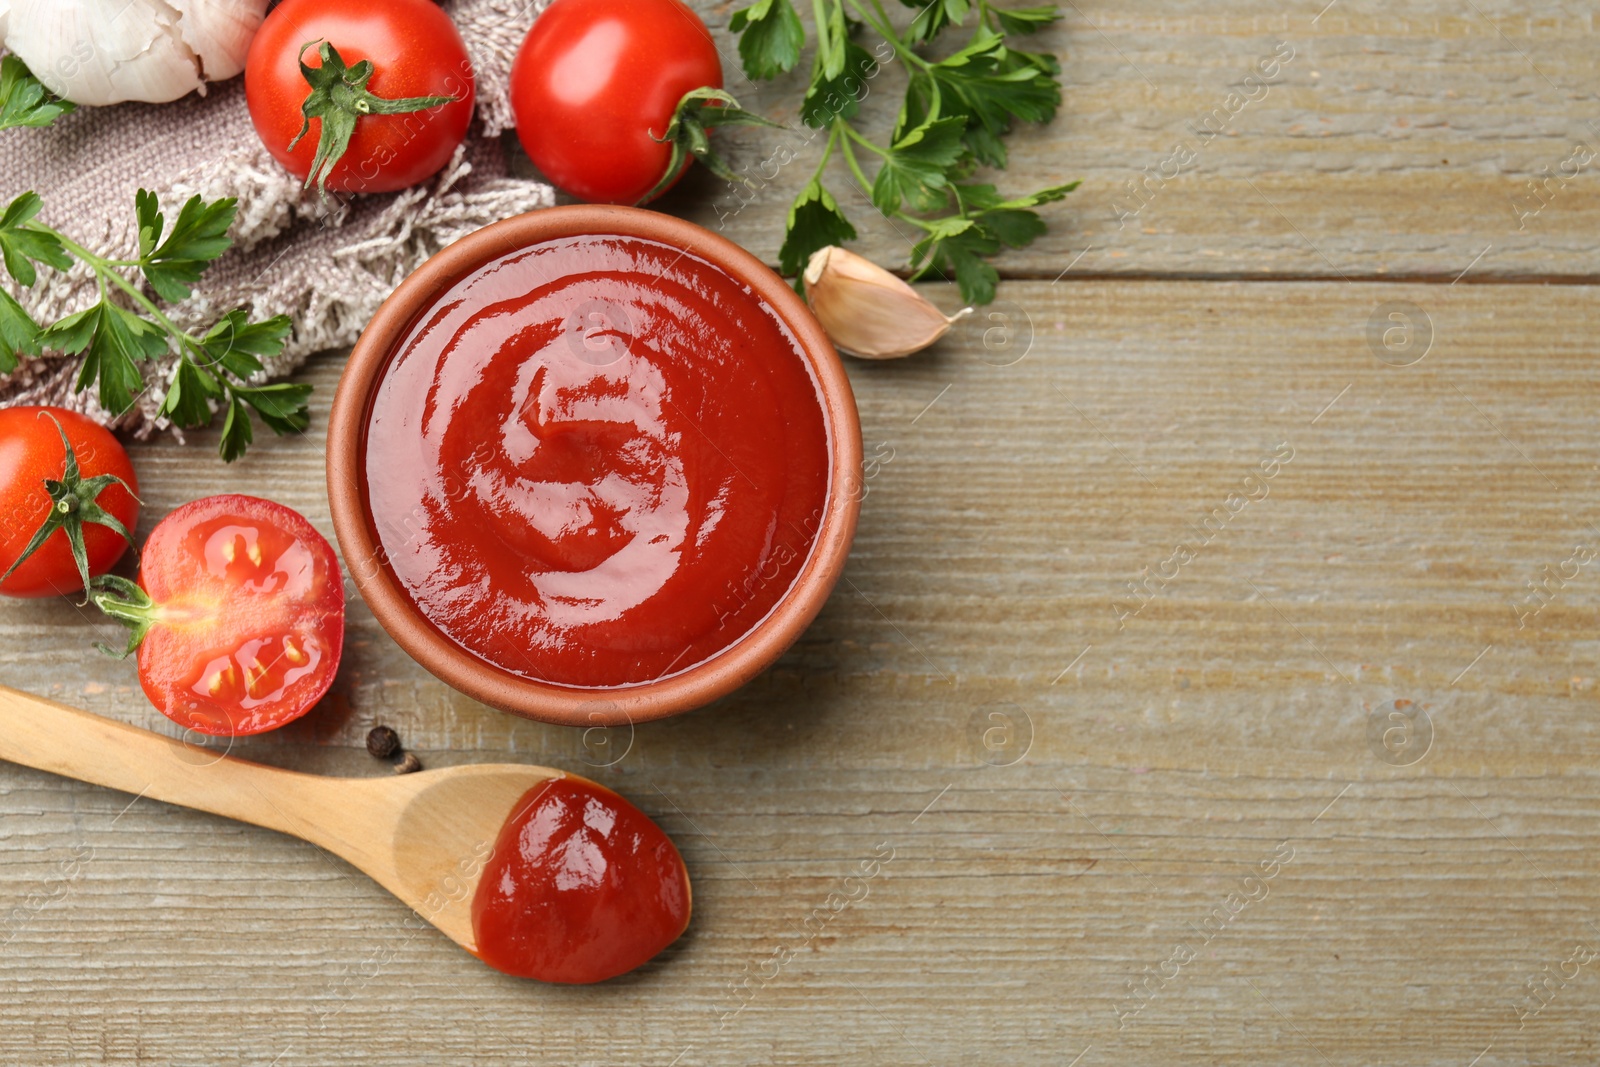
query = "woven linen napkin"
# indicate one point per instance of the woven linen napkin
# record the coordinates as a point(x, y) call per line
point(326, 266)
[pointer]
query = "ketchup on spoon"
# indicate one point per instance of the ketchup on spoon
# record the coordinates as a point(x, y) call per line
point(582, 886)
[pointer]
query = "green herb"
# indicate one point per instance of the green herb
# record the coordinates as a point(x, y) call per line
point(770, 37)
point(73, 502)
point(114, 338)
point(24, 101)
point(815, 221)
point(956, 112)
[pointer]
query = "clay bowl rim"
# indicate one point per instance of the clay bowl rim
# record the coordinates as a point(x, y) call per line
point(565, 705)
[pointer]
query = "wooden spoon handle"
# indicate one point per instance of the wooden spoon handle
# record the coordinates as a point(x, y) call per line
point(63, 740)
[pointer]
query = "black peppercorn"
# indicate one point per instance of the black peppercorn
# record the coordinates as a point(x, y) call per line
point(383, 742)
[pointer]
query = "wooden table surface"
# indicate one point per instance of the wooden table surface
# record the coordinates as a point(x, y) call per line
point(1213, 678)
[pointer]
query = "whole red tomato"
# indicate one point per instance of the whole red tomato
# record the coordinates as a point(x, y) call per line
point(595, 79)
point(30, 452)
point(415, 52)
point(238, 615)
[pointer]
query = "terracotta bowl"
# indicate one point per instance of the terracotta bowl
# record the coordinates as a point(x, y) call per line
point(569, 705)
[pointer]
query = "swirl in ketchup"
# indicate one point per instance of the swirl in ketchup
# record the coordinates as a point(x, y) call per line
point(597, 461)
point(581, 887)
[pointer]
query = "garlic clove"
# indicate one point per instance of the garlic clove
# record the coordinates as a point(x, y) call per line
point(107, 51)
point(219, 33)
point(90, 53)
point(869, 312)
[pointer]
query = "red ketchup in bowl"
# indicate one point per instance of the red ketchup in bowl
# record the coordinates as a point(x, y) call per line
point(597, 461)
point(581, 887)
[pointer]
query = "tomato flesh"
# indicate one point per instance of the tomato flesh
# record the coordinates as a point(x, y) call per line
point(415, 51)
point(249, 616)
point(595, 79)
point(30, 452)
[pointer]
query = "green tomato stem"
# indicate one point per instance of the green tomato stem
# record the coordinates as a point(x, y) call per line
point(127, 603)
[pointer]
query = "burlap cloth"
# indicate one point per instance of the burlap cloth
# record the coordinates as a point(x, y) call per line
point(327, 267)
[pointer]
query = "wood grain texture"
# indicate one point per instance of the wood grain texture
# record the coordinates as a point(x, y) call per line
point(1001, 884)
point(1399, 140)
point(424, 836)
point(996, 806)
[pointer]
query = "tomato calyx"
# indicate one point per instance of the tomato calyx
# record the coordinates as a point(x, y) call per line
point(700, 110)
point(339, 97)
point(129, 604)
point(73, 503)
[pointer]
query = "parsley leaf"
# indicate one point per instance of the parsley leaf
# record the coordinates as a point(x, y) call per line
point(1025, 19)
point(932, 17)
point(985, 200)
point(19, 334)
point(958, 247)
point(189, 395)
point(1013, 227)
point(239, 345)
point(1048, 195)
point(24, 101)
point(113, 340)
point(199, 235)
point(838, 96)
point(990, 86)
point(770, 37)
point(916, 165)
point(236, 431)
point(19, 244)
point(834, 30)
point(815, 221)
point(281, 405)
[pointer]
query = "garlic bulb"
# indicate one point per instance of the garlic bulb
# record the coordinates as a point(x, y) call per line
point(867, 311)
point(107, 51)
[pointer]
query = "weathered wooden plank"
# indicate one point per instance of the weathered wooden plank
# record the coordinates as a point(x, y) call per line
point(1234, 724)
point(1387, 141)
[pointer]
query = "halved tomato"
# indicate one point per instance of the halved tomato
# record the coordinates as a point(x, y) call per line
point(244, 623)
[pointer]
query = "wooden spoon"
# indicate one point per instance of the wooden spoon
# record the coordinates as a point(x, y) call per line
point(425, 837)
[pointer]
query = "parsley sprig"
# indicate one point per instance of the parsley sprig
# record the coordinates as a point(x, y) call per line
point(126, 327)
point(956, 112)
point(24, 101)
